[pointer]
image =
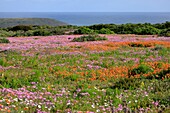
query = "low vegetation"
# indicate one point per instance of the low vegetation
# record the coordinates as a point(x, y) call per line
point(3, 40)
point(89, 38)
point(48, 29)
point(139, 29)
point(131, 79)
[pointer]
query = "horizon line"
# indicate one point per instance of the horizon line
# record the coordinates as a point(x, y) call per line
point(81, 12)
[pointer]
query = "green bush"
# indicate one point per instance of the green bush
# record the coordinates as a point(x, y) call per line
point(89, 38)
point(135, 45)
point(146, 30)
point(105, 31)
point(41, 33)
point(160, 75)
point(4, 33)
point(83, 30)
point(127, 83)
point(21, 27)
point(167, 34)
point(4, 40)
point(142, 69)
point(158, 47)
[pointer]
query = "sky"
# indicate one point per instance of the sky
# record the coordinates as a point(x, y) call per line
point(84, 5)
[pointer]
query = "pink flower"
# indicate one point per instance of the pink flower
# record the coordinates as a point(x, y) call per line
point(120, 107)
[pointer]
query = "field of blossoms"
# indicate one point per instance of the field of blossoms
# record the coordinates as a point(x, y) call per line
point(53, 74)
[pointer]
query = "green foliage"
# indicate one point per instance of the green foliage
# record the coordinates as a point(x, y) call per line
point(142, 69)
point(4, 40)
point(127, 83)
point(140, 29)
point(45, 27)
point(161, 75)
point(21, 27)
point(135, 45)
point(89, 38)
point(158, 47)
point(105, 31)
point(73, 77)
point(84, 30)
point(41, 33)
point(146, 30)
point(3, 62)
point(167, 34)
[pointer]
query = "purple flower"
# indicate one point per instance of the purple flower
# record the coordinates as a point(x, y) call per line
point(120, 107)
point(155, 103)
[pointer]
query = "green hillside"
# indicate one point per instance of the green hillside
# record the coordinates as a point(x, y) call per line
point(9, 22)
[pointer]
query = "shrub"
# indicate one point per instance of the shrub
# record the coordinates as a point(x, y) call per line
point(167, 34)
point(105, 31)
point(4, 33)
point(89, 38)
point(83, 30)
point(41, 33)
point(21, 27)
point(161, 75)
point(29, 33)
point(136, 44)
point(142, 69)
point(127, 83)
point(4, 40)
point(146, 30)
point(158, 47)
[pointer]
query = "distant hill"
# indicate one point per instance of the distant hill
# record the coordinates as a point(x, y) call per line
point(10, 22)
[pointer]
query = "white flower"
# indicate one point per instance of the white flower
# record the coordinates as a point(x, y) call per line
point(31, 101)
point(95, 88)
point(105, 104)
point(97, 110)
point(136, 101)
point(49, 109)
point(93, 106)
point(39, 106)
point(16, 99)
point(13, 106)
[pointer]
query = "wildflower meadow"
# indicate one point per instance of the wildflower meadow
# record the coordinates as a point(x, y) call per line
point(68, 74)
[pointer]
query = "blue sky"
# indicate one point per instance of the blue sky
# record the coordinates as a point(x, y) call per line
point(84, 5)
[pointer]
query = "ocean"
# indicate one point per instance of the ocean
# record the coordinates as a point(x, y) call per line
point(90, 18)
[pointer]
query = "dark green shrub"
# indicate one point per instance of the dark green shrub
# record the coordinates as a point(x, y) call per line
point(21, 27)
point(167, 34)
point(72, 77)
point(89, 38)
point(142, 69)
point(58, 32)
point(127, 83)
point(135, 45)
point(4, 40)
point(160, 75)
point(41, 33)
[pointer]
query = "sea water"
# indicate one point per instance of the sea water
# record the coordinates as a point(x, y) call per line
point(90, 18)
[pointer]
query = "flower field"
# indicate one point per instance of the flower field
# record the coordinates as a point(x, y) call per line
point(53, 74)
